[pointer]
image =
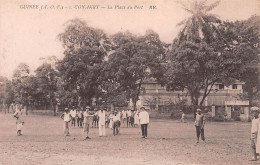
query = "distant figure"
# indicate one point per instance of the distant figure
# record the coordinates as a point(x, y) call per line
point(254, 134)
point(19, 121)
point(73, 114)
point(95, 119)
point(87, 118)
point(128, 115)
point(123, 117)
point(144, 121)
point(136, 119)
point(199, 124)
point(107, 119)
point(79, 118)
point(66, 118)
point(182, 117)
point(116, 123)
point(102, 122)
point(111, 120)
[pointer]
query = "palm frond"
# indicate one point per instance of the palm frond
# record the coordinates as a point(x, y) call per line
point(182, 4)
point(211, 19)
point(203, 3)
point(188, 10)
point(182, 22)
point(212, 6)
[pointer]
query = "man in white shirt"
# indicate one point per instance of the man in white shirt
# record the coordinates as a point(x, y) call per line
point(254, 133)
point(87, 119)
point(144, 121)
point(102, 122)
point(66, 116)
point(73, 114)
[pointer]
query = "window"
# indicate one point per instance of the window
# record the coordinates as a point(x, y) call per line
point(234, 86)
point(221, 86)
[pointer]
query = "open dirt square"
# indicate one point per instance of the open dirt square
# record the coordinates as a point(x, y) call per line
point(169, 142)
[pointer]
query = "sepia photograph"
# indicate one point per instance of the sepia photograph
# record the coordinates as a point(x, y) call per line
point(129, 82)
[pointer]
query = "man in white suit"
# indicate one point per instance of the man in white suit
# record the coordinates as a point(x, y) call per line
point(144, 121)
point(102, 122)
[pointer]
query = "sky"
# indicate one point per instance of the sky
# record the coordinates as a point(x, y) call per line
point(28, 33)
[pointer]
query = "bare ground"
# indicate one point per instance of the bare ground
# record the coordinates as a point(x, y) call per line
point(169, 142)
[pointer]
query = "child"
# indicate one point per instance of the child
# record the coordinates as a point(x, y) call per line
point(66, 118)
point(182, 117)
point(19, 121)
point(254, 132)
point(136, 119)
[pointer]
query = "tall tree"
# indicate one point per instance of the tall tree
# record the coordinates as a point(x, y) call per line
point(201, 25)
point(244, 41)
point(46, 78)
point(205, 52)
point(21, 83)
point(85, 49)
point(135, 58)
point(3, 91)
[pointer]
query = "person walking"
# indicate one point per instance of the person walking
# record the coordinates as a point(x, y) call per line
point(66, 118)
point(86, 122)
point(144, 121)
point(199, 124)
point(102, 122)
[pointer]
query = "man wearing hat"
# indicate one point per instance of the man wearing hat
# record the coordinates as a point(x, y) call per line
point(116, 123)
point(66, 118)
point(144, 121)
point(199, 124)
point(86, 122)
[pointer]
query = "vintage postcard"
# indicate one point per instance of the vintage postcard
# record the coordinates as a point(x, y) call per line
point(90, 82)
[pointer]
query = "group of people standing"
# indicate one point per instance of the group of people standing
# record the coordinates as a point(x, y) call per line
point(102, 119)
point(114, 119)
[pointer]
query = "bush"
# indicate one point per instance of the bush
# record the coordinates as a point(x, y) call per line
point(218, 118)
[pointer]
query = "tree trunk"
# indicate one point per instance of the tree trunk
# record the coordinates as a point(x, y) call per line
point(250, 96)
point(194, 101)
point(25, 109)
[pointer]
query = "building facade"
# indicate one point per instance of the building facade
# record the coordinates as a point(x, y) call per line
point(154, 91)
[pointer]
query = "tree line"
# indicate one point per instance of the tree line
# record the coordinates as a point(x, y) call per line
point(111, 69)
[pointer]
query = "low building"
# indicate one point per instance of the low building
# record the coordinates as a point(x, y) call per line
point(222, 97)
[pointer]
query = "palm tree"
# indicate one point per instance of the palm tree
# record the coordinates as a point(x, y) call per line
point(201, 25)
